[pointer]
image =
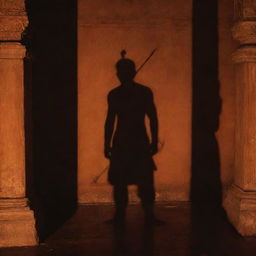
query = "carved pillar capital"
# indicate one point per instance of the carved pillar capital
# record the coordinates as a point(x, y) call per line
point(13, 19)
point(245, 32)
point(245, 9)
point(244, 29)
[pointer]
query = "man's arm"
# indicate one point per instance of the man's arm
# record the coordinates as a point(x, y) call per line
point(152, 114)
point(109, 128)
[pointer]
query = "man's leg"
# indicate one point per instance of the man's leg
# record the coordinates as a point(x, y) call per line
point(120, 194)
point(146, 192)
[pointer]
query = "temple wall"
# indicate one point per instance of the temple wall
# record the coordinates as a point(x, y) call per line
point(107, 27)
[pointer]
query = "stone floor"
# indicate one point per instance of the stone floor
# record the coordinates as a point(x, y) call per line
point(200, 230)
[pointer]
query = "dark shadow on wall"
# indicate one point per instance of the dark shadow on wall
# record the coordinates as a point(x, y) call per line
point(206, 190)
point(205, 180)
point(51, 115)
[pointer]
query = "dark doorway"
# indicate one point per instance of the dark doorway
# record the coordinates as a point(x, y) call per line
point(51, 111)
point(206, 191)
point(205, 181)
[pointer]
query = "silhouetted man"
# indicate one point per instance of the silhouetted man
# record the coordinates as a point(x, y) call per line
point(128, 147)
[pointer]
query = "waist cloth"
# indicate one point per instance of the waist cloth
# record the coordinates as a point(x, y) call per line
point(131, 161)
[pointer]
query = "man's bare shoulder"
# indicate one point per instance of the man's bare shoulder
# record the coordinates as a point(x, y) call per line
point(144, 89)
point(112, 93)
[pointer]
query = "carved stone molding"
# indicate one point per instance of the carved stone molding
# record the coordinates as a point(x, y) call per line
point(12, 51)
point(245, 32)
point(13, 202)
point(12, 7)
point(13, 19)
point(245, 9)
point(244, 54)
point(17, 227)
point(241, 209)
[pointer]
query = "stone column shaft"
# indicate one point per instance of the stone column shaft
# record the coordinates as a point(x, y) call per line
point(12, 162)
point(240, 201)
point(245, 158)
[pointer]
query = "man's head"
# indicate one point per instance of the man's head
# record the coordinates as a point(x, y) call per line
point(125, 69)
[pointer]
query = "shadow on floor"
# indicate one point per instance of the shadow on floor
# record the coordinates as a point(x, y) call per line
point(91, 236)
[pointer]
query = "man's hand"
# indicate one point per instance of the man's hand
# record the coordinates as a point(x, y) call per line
point(107, 152)
point(153, 148)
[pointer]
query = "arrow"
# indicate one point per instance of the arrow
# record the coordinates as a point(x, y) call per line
point(148, 58)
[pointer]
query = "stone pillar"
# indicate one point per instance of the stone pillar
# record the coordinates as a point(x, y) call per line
point(17, 223)
point(240, 201)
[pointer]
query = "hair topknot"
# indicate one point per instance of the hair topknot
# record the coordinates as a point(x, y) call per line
point(123, 53)
point(125, 64)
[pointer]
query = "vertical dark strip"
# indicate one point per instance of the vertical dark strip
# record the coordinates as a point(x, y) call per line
point(206, 192)
point(52, 45)
point(205, 179)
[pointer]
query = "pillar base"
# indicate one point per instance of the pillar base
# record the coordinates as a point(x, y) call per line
point(240, 207)
point(17, 224)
